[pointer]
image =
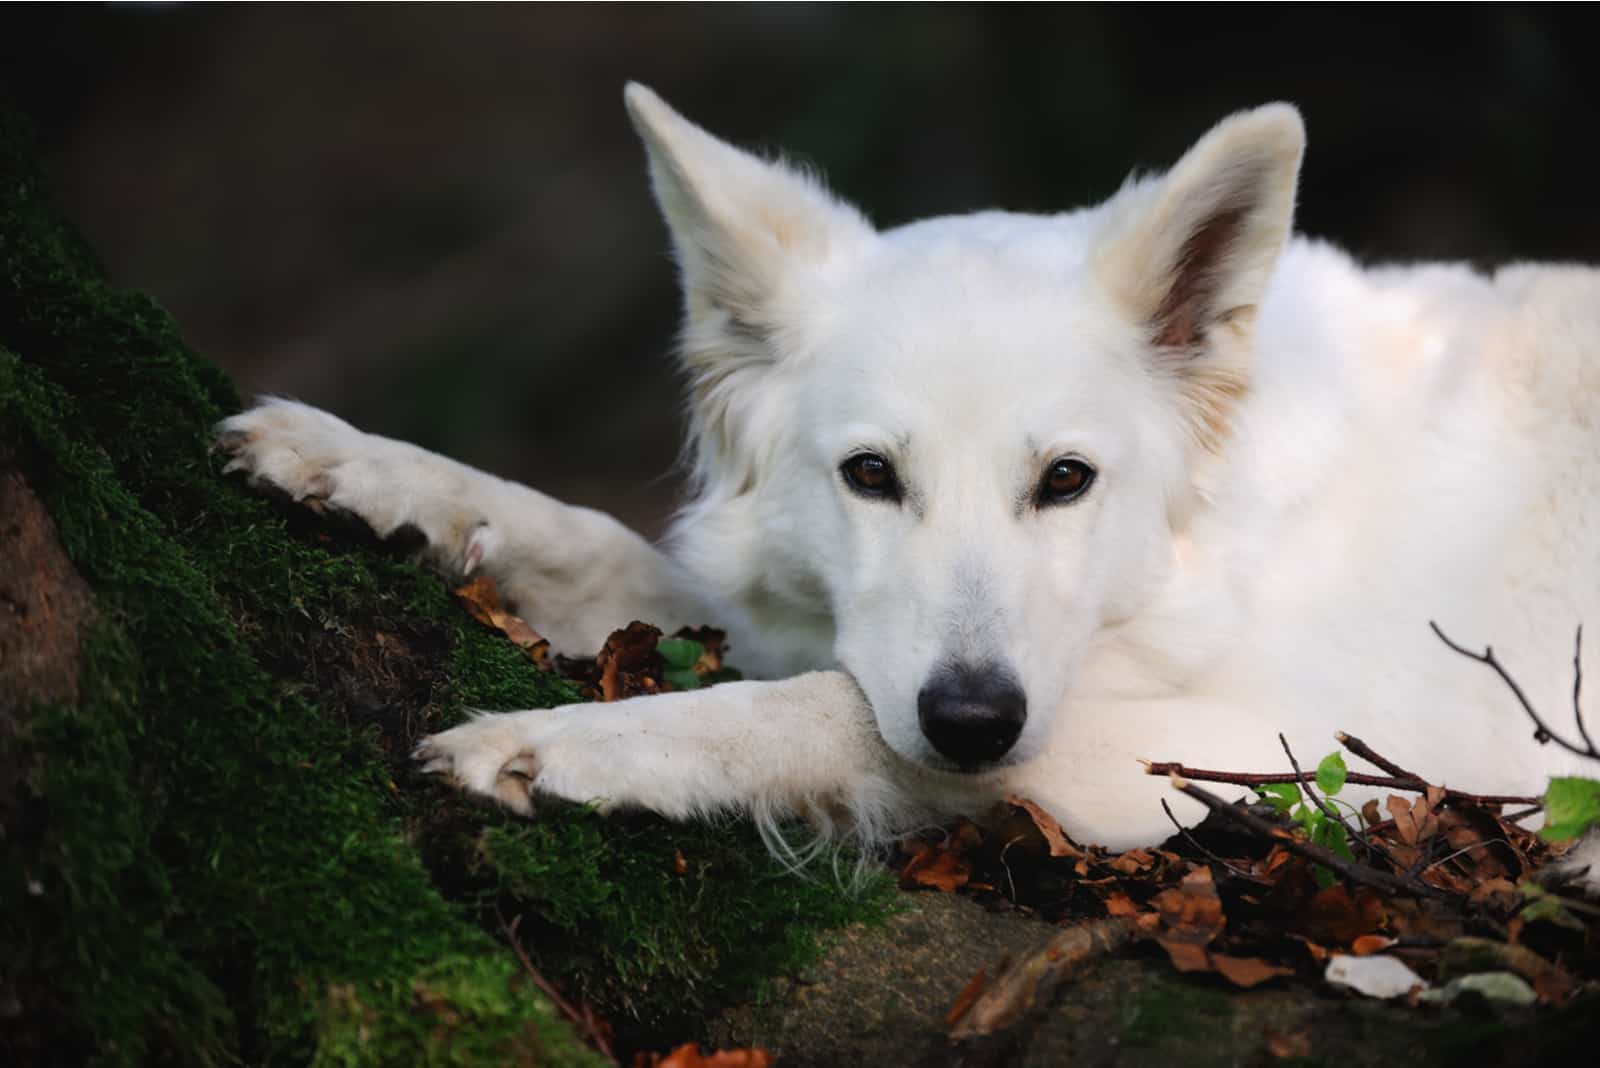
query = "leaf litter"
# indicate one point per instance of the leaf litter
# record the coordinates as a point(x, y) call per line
point(1246, 908)
point(634, 661)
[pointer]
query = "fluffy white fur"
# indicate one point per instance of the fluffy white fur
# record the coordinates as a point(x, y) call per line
point(1300, 463)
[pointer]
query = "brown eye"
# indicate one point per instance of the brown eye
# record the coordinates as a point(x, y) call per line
point(870, 475)
point(1066, 480)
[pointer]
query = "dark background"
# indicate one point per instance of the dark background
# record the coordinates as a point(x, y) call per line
point(435, 220)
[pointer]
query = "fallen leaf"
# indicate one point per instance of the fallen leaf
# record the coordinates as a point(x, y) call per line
point(1186, 956)
point(481, 599)
point(1334, 915)
point(1469, 956)
point(1503, 987)
point(628, 661)
point(1375, 977)
point(1057, 840)
point(936, 868)
point(1246, 971)
point(1120, 904)
point(1367, 945)
point(680, 863)
point(689, 1056)
point(1133, 862)
point(1499, 892)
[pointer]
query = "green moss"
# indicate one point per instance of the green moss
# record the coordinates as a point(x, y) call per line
point(461, 1011)
point(1185, 1017)
point(221, 852)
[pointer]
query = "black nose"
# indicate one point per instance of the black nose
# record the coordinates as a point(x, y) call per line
point(972, 713)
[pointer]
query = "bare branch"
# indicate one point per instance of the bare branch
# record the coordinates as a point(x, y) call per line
point(1415, 786)
point(1577, 690)
point(1542, 732)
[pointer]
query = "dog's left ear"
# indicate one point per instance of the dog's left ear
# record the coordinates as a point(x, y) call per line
point(1190, 253)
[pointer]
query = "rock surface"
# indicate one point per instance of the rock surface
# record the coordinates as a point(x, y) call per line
point(880, 995)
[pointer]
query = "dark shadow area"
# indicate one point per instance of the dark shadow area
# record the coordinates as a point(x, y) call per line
point(435, 220)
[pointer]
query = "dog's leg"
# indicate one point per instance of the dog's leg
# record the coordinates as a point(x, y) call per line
point(806, 745)
point(577, 574)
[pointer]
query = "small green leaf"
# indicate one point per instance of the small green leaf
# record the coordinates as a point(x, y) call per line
point(1331, 773)
point(1571, 806)
point(680, 652)
point(1330, 835)
point(682, 679)
point(1280, 795)
point(1551, 910)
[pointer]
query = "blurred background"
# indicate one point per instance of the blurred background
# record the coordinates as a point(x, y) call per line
point(435, 220)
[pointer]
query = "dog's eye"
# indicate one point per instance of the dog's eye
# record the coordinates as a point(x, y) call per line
point(1065, 480)
point(870, 475)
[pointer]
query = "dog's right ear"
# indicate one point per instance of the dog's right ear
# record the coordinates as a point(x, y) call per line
point(740, 226)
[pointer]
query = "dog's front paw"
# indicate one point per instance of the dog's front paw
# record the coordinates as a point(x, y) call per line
point(491, 756)
point(288, 446)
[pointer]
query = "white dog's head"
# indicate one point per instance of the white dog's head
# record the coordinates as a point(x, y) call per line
point(972, 440)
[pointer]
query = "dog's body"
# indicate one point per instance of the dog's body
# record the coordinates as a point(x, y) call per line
point(1032, 497)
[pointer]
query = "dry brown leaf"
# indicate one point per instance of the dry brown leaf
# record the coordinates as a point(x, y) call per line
point(1319, 953)
point(1415, 821)
point(1120, 904)
point(1333, 915)
point(629, 665)
point(689, 1056)
point(1405, 824)
point(1133, 862)
point(936, 868)
point(1246, 971)
point(1500, 891)
point(1369, 813)
point(481, 599)
point(1054, 837)
point(1191, 912)
point(1186, 956)
point(1366, 945)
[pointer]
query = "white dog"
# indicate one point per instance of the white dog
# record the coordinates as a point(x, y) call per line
point(1030, 497)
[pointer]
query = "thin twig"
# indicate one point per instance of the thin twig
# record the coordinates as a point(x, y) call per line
point(1469, 847)
point(1196, 843)
point(1522, 814)
point(1356, 873)
point(1577, 689)
point(1415, 786)
point(1542, 732)
point(1371, 756)
point(584, 1020)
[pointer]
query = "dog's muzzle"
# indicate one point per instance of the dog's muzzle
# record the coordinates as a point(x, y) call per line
point(972, 714)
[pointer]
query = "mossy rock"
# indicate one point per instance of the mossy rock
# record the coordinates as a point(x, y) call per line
point(212, 847)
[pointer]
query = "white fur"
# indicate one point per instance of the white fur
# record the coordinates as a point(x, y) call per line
point(1300, 463)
